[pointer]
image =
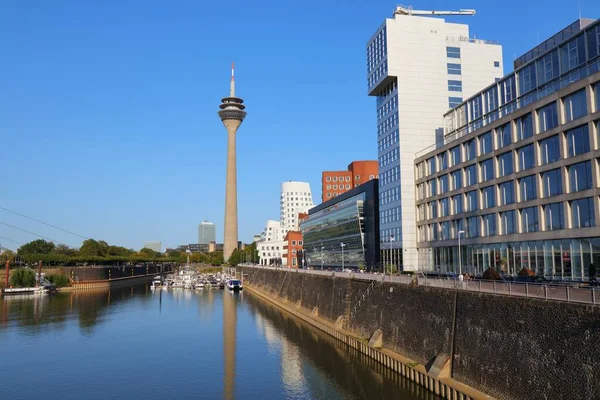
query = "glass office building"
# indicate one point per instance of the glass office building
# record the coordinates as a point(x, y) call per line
point(351, 220)
point(518, 175)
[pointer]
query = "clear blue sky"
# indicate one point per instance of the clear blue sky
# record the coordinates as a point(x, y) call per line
point(108, 121)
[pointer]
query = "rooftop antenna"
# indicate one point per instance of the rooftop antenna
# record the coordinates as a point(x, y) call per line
point(232, 88)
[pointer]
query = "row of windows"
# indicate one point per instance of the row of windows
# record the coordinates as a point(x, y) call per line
point(388, 141)
point(387, 124)
point(549, 217)
point(341, 178)
point(539, 78)
point(576, 142)
point(389, 196)
point(389, 176)
point(336, 186)
point(330, 195)
point(577, 176)
point(390, 215)
point(389, 157)
point(454, 69)
point(575, 107)
point(454, 85)
point(387, 107)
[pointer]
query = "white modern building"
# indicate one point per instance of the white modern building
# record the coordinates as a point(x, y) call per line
point(418, 67)
point(156, 246)
point(206, 232)
point(296, 197)
point(270, 245)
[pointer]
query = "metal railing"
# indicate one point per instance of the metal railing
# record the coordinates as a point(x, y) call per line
point(546, 291)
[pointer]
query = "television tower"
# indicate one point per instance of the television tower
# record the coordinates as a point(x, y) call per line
point(232, 114)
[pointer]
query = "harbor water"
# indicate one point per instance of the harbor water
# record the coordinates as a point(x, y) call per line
point(157, 344)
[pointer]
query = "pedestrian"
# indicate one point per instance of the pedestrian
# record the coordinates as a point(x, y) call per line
point(592, 274)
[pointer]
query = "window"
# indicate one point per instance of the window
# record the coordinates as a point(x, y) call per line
point(454, 101)
point(525, 157)
point(453, 69)
point(455, 157)
point(471, 175)
point(456, 177)
point(347, 179)
point(430, 166)
point(489, 225)
point(524, 127)
point(527, 188)
point(572, 54)
point(470, 150)
point(487, 170)
point(371, 176)
point(357, 177)
point(457, 204)
point(505, 164)
point(443, 184)
point(328, 187)
point(552, 183)
point(444, 207)
point(582, 213)
point(472, 201)
point(443, 161)
point(300, 242)
point(433, 209)
point(347, 186)
point(575, 105)
point(335, 186)
point(328, 179)
point(580, 176)
point(547, 117)
point(553, 214)
point(432, 187)
point(335, 178)
point(472, 227)
point(293, 242)
point(529, 220)
point(507, 193)
point(488, 197)
point(453, 52)
point(504, 135)
point(550, 149)
point(485, 143)
point(497, 64)
point(547, 67)
point(454, 86)
point(526, 78)
point(507, 221)
point(578, 140)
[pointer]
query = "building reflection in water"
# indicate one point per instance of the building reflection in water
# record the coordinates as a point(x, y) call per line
point(230, 300)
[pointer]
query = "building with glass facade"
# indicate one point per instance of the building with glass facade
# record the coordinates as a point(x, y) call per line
point(517, 177)
point(417, 68)
point(206, 232)
point(344, 228)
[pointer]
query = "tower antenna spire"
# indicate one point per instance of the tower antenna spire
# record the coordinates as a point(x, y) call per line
point(232, 88)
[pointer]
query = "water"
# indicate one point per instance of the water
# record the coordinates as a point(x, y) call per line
point(133, 342)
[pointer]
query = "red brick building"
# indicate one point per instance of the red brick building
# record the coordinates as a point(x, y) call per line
point(334, 183)
point(292, 248)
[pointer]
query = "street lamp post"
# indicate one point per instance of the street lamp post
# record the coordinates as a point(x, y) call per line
point(459, 253)
point(392, 238)
point(343, 245)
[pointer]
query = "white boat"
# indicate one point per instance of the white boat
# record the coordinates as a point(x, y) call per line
point(157, 282)
point(199, 286)
point(234, 284)
point(177, 285)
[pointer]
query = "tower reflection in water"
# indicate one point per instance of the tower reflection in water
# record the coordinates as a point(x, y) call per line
point(230, 300)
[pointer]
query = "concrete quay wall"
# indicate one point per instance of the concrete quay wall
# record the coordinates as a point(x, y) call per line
point(506, 347)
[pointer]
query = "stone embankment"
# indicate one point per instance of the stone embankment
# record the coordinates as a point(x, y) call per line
point(458, 344)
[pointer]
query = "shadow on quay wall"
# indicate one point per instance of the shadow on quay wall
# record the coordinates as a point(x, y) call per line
point(363, 378)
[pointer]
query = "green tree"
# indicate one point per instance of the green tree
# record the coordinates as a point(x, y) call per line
point(251, 253)
point(149, 253)
point(22, 277)
point(39, 246)
point(119, 251)
point(215, 258)
point(90, 247)
point(58, 280)
point(65, 250)
point(235, 258)
point(7, 255)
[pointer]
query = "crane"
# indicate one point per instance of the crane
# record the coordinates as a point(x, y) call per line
point(408, 10)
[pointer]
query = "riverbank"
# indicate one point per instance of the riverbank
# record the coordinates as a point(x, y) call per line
point(436, 379)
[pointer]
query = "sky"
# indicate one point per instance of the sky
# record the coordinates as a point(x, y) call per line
point(108, 109)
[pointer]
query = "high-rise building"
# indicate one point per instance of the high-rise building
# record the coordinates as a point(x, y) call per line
point(418, 67)
point(296, 198)
point(156, 246)
point(232, 114)
point(270, 246)
point(206, 232)
point(334, 183)
point(516, 178)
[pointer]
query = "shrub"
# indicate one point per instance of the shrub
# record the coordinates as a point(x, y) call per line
point(58, 280)
point(22, 277)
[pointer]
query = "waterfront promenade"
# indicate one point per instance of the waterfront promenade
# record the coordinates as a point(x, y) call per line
point(547, 291)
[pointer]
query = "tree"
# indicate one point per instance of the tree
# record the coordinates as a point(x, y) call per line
point(235, 258)
point(7, 255)
point(22, 277)
point(149, 253)
point(119, 251)
point(90, 247)
point(39, 246)
point(66, 250)
point(215, 258)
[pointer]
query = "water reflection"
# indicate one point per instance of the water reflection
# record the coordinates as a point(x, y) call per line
point(206, 344)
